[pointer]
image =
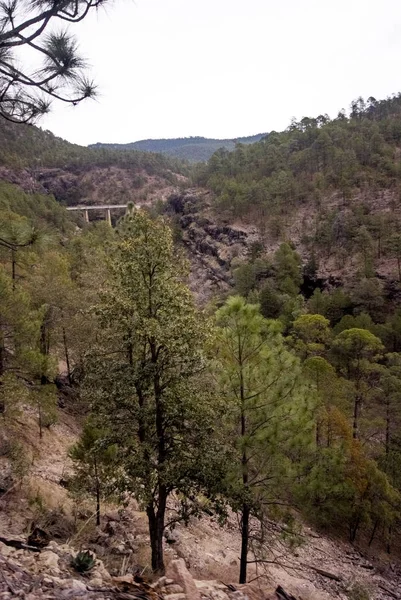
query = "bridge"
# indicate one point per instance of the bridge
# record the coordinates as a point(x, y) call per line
point(106, 207)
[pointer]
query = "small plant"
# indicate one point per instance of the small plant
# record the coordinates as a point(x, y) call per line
point(83, 561)
point(359, 592)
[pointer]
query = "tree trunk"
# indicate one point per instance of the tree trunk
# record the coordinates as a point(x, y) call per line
point(97, 494)
point(156, 530)
point(353, 529)
point(44, 345)
point(2, 355)
point(40, 419)
point(67, 356)
point(13, 267)
point(245, 507)
point(244, 543)
point(372, 537)
point(357, 406)
point(388, 545)
point(387, 428)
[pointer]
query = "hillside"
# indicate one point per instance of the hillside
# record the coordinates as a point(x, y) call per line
point(113, 375)
point(40, 162)
point(192, 149)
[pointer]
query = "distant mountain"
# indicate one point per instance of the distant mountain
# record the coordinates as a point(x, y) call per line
point(193, 149)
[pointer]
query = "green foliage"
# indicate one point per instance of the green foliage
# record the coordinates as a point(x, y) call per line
point(266, 408)
point(95, 466)
point(29, 146)
point(312, 156)
point(358, 591)
point(311, 334)
point(148, 369)
point(83, 561)
point(193, 149)
point(288, 270)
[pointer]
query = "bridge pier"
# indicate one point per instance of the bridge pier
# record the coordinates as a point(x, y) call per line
point(86, 216)
point(108, 216)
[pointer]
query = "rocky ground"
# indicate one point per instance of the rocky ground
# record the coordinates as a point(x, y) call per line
point(49, 574)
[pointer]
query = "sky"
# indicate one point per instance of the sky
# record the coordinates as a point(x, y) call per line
point(228, 68)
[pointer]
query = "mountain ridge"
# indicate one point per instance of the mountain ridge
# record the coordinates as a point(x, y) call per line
point(193, 148)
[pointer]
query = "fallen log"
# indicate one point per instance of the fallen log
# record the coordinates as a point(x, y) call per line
point(282, 594)
point(18, 544)
point(389, 592)
point(324, 573)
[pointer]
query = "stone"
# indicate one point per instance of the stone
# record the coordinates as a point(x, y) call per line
point(48, 560)
point(111, 527)
point(5, 550)
point(160, 582)
point(129, 578)
point(174, 589)
point(78, 586)
point(218, 595)
point(177, 597)
point(113, 515)
point(96, 582)
point(100, 571)
point(172, 536)
point(178, 571)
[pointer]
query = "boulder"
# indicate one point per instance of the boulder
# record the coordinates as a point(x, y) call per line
point(48, 561)
point(178, 571)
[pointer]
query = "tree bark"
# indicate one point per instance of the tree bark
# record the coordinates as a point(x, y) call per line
point(67, 356)
point(156, 530)
point(357, 406)
point(372, 536)
point(387, 428)
point(97, 494)
point(244, 543)
point(13, 267)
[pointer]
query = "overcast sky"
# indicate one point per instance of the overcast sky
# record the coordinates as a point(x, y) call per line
point(228, 68)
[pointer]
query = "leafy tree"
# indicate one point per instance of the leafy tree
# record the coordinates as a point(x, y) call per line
point(311, 334)
point(95, 465)
point(270, 301)
point(288, 267)
point(245, 279)
point(26, 93)
point(364, 244)
point(331, 394)
point(344, 487)
point(367, 295)
point(16, 233)
point(394, 248)
point(266, 405)
point(356, 351)
point(145, 376)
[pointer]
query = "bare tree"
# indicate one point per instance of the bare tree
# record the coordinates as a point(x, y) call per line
point(26, 93)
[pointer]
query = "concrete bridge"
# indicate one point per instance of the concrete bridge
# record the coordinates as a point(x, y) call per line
point(106, 207)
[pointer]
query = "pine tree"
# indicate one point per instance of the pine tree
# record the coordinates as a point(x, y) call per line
point(145, 376)
point(95, 465)
point(266, 404)
point(356, 351)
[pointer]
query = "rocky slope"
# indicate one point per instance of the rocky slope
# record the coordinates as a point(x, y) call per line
point(211, 246)
point(94, 184)
point(215, 245)
point(202, 558)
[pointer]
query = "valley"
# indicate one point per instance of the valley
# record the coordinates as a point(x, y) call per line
point(213, 379)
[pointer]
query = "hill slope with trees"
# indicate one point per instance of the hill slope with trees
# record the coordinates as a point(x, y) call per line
point(39, 161)
point(192, 149)
point(301, 372)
